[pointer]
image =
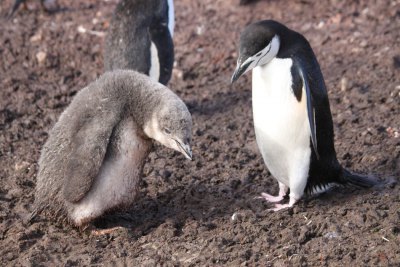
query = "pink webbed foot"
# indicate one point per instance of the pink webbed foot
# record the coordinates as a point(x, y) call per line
point(292, 201)
point(283, 189)
point(281, 207)
point(271, 198)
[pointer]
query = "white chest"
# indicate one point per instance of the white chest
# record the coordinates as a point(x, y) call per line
point(280, 121)
point(118, 179)
point(154, 71)
point(171, 17)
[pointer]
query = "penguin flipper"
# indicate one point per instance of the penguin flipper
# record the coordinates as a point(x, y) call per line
point(89, 146)
point(310, 109)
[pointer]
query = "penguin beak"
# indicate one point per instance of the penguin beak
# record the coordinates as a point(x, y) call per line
point(240, 69)
point(185, 149)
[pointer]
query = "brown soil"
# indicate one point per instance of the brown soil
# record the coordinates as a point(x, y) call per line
point(184, 214)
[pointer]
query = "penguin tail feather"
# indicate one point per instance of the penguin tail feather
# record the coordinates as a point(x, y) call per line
point(359, 180)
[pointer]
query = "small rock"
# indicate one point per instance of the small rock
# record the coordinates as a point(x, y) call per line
point(37, 37)
point(236, 217)
point(21, 166)
point(10, 256)
point(41, 57)
point(343, 84)
point(178, 73)
point(363, 43)
point(165, 174)
point(200, 30)
point(331, 235)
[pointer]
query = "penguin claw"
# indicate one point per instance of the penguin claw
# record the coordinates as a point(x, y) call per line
point(271, 198)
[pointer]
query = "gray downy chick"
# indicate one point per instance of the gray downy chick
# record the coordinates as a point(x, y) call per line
point(93, 159)
point(140, 38)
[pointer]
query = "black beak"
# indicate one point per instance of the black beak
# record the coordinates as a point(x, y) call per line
point(186, 150)
point(240, 69)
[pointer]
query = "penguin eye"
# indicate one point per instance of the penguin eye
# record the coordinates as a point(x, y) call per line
point(258, 54)
point(167, 131)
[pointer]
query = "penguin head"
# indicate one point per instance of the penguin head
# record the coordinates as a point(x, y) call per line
point(259, 44)
point(171, 125)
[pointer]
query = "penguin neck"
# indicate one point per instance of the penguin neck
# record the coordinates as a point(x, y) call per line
point(131, 94)
point(143, 104)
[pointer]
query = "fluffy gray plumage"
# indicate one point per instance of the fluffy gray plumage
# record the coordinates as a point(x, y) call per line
point(93, 159)
point(134, 26)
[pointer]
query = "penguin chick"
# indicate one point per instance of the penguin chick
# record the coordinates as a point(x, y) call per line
point(47, 5)
point(292, 118)
point(140, 38)
point(93, 159)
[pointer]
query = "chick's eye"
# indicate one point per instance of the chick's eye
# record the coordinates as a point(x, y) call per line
point(167, 131)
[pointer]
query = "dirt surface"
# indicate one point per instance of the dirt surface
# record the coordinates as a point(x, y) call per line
point(204, 212)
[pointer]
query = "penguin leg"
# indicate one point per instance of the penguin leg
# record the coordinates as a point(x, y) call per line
point(283, 189)
point(297, 183)
point(294, 196)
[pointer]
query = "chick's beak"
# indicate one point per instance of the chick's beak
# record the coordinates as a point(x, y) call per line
point(185, 149)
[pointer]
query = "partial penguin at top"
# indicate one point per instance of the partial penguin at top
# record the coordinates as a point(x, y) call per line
point(247, 2)
point(292, 118)
point(140, 38)
point(47, 5)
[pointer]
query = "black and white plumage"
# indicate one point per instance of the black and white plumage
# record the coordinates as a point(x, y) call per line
point(140, 38)
point(93, 159)
point(292, 117)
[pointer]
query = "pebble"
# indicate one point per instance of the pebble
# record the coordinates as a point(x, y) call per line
point(41, 57)
point(343, 84)
point(236, 217)
point(331, 235)
point(37, 37)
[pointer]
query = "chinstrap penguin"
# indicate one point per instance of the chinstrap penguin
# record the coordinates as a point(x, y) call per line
point(140, 38)
point(292, 118)
point(93, 159)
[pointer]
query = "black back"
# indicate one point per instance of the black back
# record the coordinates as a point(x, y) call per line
point(135, 24)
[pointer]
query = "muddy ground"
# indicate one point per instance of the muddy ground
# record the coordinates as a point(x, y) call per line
point(184, 214)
